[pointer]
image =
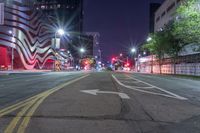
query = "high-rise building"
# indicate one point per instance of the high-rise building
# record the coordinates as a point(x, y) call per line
point(25, 40)
point(96, 41)
point(66, 14)
point(153, 8)
point(87, 43)
point(166, 13)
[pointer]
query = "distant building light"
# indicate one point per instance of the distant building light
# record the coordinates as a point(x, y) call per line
point(42, 7)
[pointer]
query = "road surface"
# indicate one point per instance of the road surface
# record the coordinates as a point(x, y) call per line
point(98, 102)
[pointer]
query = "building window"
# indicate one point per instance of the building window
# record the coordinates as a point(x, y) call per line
point(163, 14)
point(171, 6)
point(157, 19)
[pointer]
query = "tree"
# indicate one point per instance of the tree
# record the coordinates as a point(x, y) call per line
point(173, 44)
point(157, 46)
point(187, 22)
point(165, 43)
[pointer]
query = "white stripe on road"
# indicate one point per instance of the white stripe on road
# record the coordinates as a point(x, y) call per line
point(171, 95)
point(131, 82)
point(159, 88)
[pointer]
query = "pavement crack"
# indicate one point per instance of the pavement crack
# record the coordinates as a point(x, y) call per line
point(125, 109)
point(98, 118)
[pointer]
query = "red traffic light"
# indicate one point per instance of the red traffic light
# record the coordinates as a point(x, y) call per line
point(86, 62)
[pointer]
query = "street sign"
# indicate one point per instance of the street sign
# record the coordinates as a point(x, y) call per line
point(1, 13)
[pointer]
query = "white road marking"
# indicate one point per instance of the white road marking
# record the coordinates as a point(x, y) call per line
point(171, 95)
point(143, 87)
point(135, 82)
point(95, 92)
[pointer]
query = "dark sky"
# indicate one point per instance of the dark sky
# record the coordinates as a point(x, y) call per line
point(121, 23)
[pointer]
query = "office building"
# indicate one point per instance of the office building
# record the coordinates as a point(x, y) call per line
point(165, 13)
point(25, 40)
point(153, 8)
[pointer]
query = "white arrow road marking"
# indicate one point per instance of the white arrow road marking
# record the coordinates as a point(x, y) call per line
point(130, 81)
point(171, 95)
point(97, 91)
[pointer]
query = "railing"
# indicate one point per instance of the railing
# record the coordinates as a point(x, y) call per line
point(189, 65)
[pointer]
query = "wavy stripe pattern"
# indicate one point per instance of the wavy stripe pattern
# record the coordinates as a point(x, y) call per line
point(31, 36)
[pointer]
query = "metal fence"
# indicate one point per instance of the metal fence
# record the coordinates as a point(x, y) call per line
point(187, 65)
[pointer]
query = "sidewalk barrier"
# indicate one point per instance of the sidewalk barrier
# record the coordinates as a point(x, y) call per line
point(183, 68)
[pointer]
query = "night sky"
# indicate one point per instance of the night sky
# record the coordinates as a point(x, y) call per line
point(121, 23)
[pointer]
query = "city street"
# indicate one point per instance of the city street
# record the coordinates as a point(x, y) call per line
point(98, 102)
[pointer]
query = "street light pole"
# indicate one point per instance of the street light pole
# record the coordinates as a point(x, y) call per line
point(133, 51)
point(61, 32)
point(12, 50)
point(148, 40)
point(82, 51)
point(100, 55)
point(12, 62)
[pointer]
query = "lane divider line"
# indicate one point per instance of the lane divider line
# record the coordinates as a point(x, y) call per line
point(30, 105)
point(11, 127)
point(26, 120)
point(16, 106)
point(173, 94)
point(148, 92)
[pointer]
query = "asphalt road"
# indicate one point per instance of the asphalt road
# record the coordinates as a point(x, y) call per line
point(98, 102)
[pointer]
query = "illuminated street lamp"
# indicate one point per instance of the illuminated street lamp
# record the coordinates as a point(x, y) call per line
point(61, 32)
point(149, 39)
point(82, 51)
point(133, 50)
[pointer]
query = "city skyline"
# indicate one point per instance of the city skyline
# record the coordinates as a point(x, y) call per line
point(118, 25)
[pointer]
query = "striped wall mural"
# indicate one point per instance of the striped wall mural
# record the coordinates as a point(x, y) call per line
point(30, 36)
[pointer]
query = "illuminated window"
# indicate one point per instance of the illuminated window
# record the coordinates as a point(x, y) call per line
point(42, 7)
